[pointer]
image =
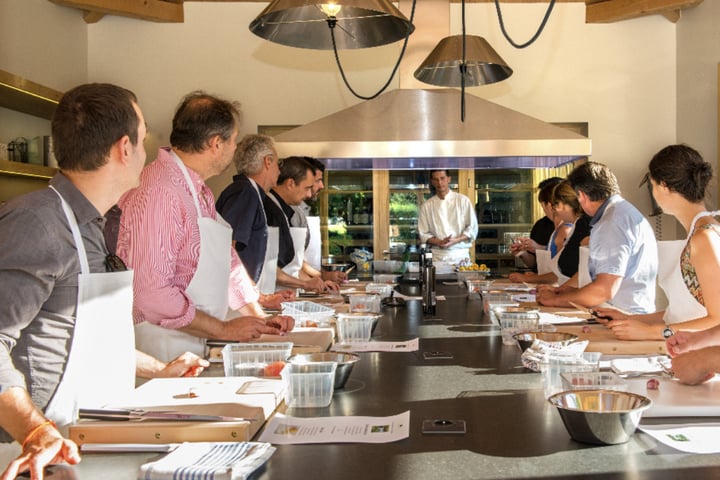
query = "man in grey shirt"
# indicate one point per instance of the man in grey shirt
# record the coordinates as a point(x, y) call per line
point(98, 132)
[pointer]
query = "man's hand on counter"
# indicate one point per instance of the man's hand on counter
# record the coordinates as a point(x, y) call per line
point(335, 276)
point(283, 323)
point(275, 300)
point(186, 365)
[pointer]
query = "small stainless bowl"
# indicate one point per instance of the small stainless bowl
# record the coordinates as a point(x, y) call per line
point(600, 417)
point(525, 340)
point(345, 363)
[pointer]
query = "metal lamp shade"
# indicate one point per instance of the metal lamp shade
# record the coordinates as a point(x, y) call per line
point(359, 24)
point(442, 66)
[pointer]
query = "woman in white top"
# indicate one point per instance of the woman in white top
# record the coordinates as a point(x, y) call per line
point(679, 178)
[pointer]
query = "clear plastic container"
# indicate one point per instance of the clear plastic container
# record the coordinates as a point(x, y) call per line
point(490, 299)
point(309, 384)
point(355, 327)
point(250, 359)
point(553, 367)
point(478, 285)
point(593, 381)
point(389, 266)
point(360, 303)
point(389, 278)
point(382, 289)
point(512, 323)
point(308, 314)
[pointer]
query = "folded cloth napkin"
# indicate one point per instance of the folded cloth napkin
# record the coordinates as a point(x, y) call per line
point(209, 460)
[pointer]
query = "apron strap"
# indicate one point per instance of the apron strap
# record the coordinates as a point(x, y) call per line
point(79, 244)
point(189, 182)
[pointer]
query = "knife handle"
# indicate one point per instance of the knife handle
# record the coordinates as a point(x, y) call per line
point(104, 414)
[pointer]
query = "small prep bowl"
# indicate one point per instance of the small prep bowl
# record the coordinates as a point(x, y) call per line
point(345, 363)
point(525, 340)
point(600, 417)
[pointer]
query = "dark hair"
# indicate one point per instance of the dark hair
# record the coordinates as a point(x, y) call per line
point(295, 168)
point(251, 151)
point(199, 118)
point(595, 180)
point(87, 122)
point(563, 192)
point(315, 164)
point(546, 189)
point(447, 172)
point(683, 170)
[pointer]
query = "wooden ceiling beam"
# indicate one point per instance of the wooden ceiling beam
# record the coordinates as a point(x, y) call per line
point(153, 10)
point(92, 17)
point(610, 11)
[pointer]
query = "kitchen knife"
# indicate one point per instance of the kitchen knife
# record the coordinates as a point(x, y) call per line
point(124, 415)
point(590, 312)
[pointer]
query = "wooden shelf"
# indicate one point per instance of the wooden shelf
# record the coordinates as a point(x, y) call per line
point(26, 169)
point(17, 93)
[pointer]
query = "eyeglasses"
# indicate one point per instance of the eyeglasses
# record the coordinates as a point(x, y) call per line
point(113, 263)
point(281, 162)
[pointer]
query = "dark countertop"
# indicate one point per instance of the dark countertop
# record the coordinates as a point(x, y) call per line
point(512, 432)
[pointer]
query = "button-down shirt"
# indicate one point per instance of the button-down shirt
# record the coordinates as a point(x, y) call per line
point(452, 216)
point(622, 243)
point(160, 239)
point(39, 270)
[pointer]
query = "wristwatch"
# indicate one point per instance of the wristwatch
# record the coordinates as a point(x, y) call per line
point(667, 333)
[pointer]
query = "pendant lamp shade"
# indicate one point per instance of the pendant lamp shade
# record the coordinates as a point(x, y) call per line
point(306, 24)
point(483, 64)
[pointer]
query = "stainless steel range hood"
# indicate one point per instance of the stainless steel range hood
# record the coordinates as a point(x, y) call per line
point(421, 129)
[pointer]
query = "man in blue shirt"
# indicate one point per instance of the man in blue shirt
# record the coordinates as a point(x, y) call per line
point(623, 251)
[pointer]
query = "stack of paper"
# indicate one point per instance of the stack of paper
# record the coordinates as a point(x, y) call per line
point(209, 460)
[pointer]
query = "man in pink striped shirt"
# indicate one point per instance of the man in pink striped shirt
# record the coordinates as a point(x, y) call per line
point(186, 271)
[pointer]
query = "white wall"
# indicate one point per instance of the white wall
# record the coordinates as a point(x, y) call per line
point(46, 44)
point(698, 41)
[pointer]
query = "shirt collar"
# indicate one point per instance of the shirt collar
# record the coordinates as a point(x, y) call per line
point(287, 209)
point(85, 212)
point(598, 215)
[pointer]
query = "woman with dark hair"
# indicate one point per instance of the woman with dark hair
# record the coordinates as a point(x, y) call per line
point(542, 255)
point(575, 228)
point(679, 178)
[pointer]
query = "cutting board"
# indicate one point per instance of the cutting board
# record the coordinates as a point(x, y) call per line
point(603, 340)
point(673, 399)
point(246, 397)
point(304, 339)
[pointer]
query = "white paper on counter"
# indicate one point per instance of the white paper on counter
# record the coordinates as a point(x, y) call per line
point(286, 430)
point(524, 298)
point(674, 399)
point(693, 438)
point(375, 346)
point(559, 319)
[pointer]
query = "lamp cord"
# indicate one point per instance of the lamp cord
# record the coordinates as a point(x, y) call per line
point(331, 24)
point(534, 37)
point(463, 68)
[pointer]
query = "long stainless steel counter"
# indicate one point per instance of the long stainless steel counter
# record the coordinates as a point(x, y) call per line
point(512, 432)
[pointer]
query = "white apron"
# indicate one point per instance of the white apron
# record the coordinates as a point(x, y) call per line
point(268, 276)
point(313, 252)
point(208, 289)
point(555, 261)
point(682, 306)
point(451, 255)
point(543, 261)
point(298, 235)
point(584, 267)
point(101, 361)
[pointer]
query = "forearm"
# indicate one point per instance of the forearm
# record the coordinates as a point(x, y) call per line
point(287, 280)
point(19, 415)
point(147, 366)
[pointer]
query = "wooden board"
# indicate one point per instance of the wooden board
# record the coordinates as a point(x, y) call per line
point(246, 397)
point(603, 340)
